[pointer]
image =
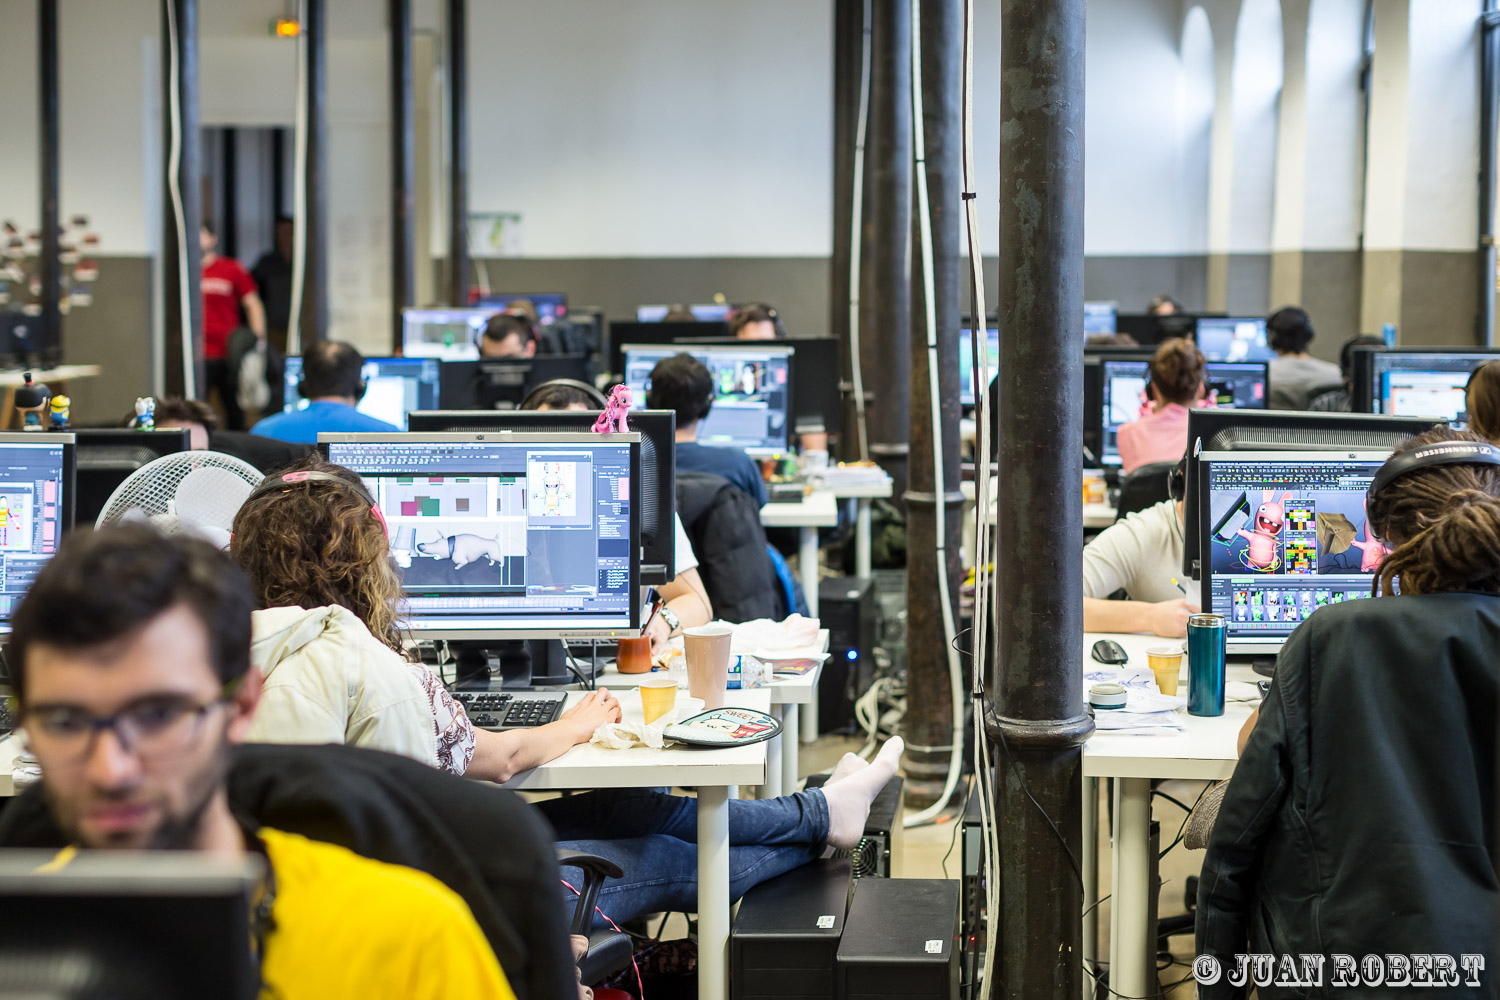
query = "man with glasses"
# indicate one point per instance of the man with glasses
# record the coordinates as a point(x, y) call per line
point(130, 658)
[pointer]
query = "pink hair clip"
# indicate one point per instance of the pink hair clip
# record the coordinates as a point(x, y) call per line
point(612, 420)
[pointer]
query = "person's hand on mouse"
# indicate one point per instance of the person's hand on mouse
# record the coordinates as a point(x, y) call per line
point(1169, 618)
point(592, 711)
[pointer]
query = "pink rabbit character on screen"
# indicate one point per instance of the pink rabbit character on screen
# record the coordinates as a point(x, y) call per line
point(1269, 518)
point(1372, 552)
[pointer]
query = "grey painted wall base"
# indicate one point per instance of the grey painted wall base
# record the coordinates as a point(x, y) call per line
point(115, 333)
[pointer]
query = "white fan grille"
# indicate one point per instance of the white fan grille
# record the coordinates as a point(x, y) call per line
point(189, 492)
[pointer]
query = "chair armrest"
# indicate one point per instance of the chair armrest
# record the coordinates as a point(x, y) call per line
point(595, 870)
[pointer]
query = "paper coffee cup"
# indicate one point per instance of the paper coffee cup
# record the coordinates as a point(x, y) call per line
point(1166, 664)
point(706, 649)
point(658, 697)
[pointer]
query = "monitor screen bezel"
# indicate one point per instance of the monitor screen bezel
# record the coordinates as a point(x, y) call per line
point(406, 318)
point(65, 514)
point(288, 406)
point(786, 347)
point(1206, 461)
point(1365, 368)
point(1095, 426)
point(583, 633)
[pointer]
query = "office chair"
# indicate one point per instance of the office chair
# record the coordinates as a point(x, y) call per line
point(609, 950)
point(1144, 487)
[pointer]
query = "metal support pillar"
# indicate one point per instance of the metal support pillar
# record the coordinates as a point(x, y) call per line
point(458, 154)
point(182, 257)
point(885, 279)
point(929, 713)
point(1039, 721)
point(314, 321)
point(848, 45)
point(1489, 135)
point(403, 169)
point(229, 224)
point(51, 226)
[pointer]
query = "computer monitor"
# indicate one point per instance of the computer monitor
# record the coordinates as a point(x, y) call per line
point(624, 332)
point(445, 334)
point(502, 383)
point(105, 458)
point(1099, 317)
point(1123, 396)
point(966, 387)
point(550, 306)
point(536, 536)
point(658, 465)
point(1149, 330)
point(1284, 534)
point(1280, 431)
point(1418, 383)
point(816, 398)
point(393, 387)
point(36, 507)
point(751, 390)
point(1231, 339)
point(158, 924)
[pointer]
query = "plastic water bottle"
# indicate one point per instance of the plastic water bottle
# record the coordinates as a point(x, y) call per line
point(1388, 334)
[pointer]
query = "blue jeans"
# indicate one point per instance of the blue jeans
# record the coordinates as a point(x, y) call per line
point(653, 836)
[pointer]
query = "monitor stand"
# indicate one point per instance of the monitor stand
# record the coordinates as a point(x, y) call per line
point(524, 663)
point(1264, 665)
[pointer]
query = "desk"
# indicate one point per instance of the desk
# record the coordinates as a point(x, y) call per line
point(788, 694)
point(862, 494)
point(711, 772)
point(1205, 751)
point(817, 510)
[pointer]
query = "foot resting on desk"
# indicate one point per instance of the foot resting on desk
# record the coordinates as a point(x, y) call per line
point(850, 795)
point(850, 763)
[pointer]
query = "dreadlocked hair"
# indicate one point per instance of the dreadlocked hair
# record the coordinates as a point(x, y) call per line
point(316, 544)
point(1444, 524)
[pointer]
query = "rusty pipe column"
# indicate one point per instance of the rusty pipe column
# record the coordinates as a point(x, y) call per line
point(403, 168)
point(182, 257)
point(848, 51)
point(1038, 720)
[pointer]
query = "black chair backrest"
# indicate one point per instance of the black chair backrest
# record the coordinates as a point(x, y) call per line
point(1144, 487)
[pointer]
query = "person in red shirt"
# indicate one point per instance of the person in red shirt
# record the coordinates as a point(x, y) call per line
point(227, 287)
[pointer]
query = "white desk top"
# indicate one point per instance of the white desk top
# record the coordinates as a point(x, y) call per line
point(1095, 515)
point(864, 491)
point(817, 510)
point(786, 689)
point(17, 376)
point(1205, 750)
point(588, 766)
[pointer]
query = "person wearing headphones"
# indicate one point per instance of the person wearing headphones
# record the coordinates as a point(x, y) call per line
point(1483, 401)
point(332, 384)
point(756, 322)
point(1141, 555)
point(1360, 817)
point(682, 384)
point(1176, 384)
point(1295, 375)
point(508, 335)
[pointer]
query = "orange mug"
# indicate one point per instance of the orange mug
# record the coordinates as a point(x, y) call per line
point(633, 655)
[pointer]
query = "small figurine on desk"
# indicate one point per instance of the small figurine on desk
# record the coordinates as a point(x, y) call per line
point(31, 400)
point(60, 407)
point(145, 413)
point(612, 420)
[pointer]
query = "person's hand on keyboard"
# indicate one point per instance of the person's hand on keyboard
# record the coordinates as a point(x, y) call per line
point(594, 710)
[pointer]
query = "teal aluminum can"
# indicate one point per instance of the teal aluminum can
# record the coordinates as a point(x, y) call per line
point(1207, 641)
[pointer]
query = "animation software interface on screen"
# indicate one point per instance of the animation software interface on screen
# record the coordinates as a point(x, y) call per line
point(30, 516)
point(491, 536)
point(393, 387)
point(749, 393)
point(966, 362)
point(445, 334)
point(1288, 537)
point(1231, 385)
point(1234, 340)
point(1098, 317)
point(550, 306)
point(1427, 385)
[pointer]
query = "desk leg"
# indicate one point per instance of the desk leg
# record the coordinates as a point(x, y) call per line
point(862, 538)
point(775, 750)
point(1131, 946)
point(788, 739)
point(1090, 861)
point(808, 560)
point(713, 893)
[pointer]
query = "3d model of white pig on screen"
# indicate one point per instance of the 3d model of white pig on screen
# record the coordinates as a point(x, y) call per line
point(463, 549)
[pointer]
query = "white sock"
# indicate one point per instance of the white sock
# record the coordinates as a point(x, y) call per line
point(849, 798)
point(848, 764)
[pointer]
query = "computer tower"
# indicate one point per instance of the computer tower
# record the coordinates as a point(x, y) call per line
point(846, 607)
point(879, 854)
point(785, 940)
point(973, 918)
point(900, 940)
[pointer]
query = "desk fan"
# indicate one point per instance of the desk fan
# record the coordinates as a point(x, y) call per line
point(189, 492)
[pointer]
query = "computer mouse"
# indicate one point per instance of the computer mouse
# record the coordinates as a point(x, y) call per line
point(1109, 651)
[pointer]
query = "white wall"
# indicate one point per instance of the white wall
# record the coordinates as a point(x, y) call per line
point(1442, 141)
point(1334, 137)
point(1257, 87)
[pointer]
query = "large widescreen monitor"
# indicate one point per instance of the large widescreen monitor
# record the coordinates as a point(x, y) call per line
point(36, 507)
point(658, 465)
point(1416, 383)
point(533, 537)
point(1099, 317)
point(106, 457)
point(445, 334)
point(393, 387)
point(1123, 396)
point(550, 306)
point(816, 370)
point(751, 390)
point(504, 383)
point(966, 387)
point(1284, 535)
point(622, 332)
point(1231, 339)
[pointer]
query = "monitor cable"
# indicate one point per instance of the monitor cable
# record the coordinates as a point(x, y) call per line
point(174, 191)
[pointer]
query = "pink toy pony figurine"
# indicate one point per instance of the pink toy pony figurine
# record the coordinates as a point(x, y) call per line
point(612, 420)
point(1262, 553)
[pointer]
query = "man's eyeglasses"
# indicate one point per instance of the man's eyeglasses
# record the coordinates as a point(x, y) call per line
point(153, 729)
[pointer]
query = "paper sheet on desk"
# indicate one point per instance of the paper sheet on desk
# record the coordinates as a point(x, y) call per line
point(1147, 711)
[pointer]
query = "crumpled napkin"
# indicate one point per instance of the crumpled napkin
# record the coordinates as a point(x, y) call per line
point(795, 632)
point(625, 735)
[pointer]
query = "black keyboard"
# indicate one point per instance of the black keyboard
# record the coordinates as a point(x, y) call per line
point(511, 709)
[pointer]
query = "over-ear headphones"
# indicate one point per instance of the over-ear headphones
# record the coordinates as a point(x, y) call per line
point(1428, 456)
point(359, 390)
point(293, 479)
point(564, 383)
point(1177, 480)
